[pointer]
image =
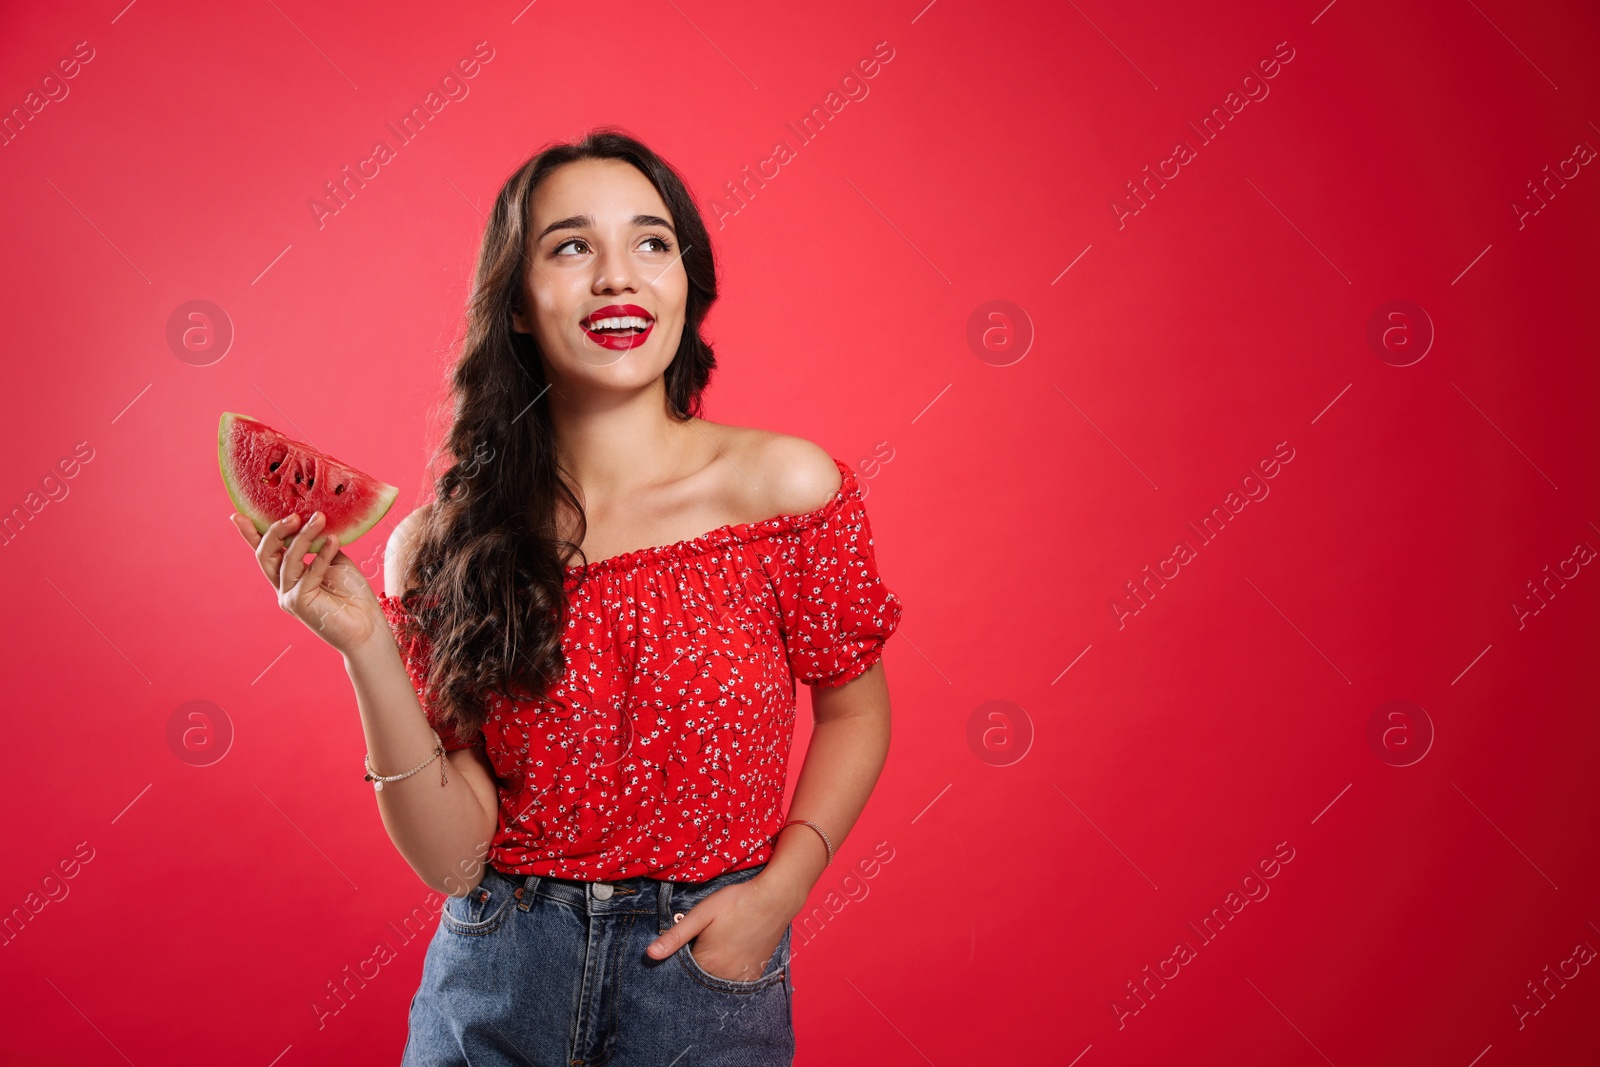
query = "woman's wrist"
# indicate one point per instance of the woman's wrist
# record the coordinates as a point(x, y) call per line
point(794, 866)
point(787, 890)
point(375, 651)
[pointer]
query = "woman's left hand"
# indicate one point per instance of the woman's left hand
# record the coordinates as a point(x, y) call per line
point(746, 920)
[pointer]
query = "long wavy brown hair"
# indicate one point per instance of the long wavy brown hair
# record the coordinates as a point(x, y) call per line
point(487, 582)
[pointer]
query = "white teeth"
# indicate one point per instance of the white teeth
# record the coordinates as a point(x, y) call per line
point(619, 322)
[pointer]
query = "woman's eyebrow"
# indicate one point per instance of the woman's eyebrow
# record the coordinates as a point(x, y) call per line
point(584, 222)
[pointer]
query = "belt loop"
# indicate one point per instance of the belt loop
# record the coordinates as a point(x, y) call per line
point(524, 892)
point(663, 906)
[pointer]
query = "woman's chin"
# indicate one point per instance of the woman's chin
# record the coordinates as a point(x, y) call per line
point(604, 369)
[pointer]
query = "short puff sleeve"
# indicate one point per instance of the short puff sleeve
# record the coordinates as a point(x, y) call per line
point(415, 653)
point(837, 612)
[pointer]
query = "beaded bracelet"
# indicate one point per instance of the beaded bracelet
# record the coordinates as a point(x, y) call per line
point(826, 843)
point(377, 780)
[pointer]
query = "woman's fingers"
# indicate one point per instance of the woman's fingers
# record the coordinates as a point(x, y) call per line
point(270, 548)
point(246, 528)
point(293, 565)
point(330, 596)
point(304, 589)
point(685, 927)
point(312, 578)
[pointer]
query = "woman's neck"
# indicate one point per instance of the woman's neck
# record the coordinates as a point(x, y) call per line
point(615, 450)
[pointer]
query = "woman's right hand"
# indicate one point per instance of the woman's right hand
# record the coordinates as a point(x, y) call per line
point(331, 596)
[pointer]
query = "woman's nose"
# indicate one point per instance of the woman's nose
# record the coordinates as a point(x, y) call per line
point(615, 272)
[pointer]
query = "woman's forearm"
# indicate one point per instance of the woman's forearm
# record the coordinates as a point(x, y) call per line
point(849, 744)
point(444, 832)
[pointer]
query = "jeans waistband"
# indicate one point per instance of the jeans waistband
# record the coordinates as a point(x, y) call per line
point(627, 896)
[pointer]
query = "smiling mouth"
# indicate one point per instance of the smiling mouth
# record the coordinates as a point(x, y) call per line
point(618, 325)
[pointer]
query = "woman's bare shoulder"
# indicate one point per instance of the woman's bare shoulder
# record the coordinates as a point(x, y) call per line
point(400, 549)
point(787, 475)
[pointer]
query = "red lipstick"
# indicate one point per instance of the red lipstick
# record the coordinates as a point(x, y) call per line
point(620, 339)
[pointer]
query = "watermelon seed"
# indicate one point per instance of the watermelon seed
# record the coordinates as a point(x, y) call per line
point(338, 489)
point(311, 483)
point(273, 466)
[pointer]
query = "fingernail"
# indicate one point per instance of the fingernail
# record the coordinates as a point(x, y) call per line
point(655, 949)
point(316, 516)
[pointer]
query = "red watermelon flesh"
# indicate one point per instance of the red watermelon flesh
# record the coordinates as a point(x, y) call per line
point(269, 475)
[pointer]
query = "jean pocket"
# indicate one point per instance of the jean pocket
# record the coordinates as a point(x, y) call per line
point(483, 909)
point(770, 975)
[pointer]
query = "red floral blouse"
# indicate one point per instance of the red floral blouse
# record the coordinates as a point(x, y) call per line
point(664, 749)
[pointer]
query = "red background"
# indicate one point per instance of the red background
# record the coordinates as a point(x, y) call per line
point(1040, 858)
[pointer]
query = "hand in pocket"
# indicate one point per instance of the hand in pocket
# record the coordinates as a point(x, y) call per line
point(735, 931)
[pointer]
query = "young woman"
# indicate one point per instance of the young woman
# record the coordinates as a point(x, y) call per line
point(578, 686)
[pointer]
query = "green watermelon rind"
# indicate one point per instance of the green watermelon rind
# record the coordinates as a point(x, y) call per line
point(387, 494)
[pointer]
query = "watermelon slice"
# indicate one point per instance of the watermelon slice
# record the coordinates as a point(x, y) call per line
point(268, 475)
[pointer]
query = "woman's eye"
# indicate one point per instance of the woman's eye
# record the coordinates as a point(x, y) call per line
point(661, 243)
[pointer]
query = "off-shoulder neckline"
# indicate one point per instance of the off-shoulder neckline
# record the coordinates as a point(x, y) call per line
point(731, 534)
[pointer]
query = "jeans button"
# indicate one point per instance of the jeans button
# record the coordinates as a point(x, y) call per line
point(602, 891)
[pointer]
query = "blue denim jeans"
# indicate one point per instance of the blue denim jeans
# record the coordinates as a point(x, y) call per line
point(529, 970)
